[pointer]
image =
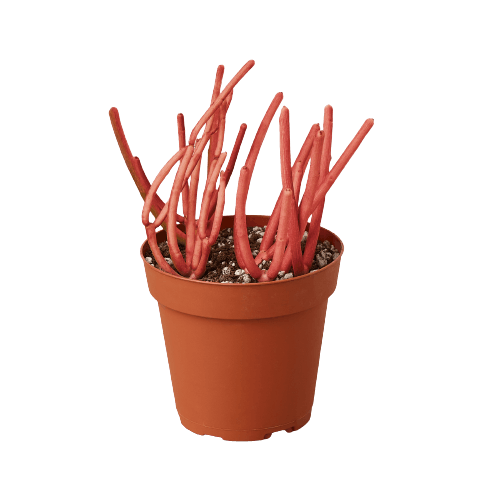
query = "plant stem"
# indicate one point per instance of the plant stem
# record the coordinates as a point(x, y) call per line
point(286, 176)
point(207, 196)
point(135, 168)
point(153, 245)
point(307, 199)
point(157, 203)
point(230, 165)
point(205, 252)
point(234, 153)
point(342, 162)
point(272, 223)
point(200, 146)
point(219, 210)
point(294, 242)
point(315, 225)
point(197, 253)
point(329, 181)
point(175, 253)
point(222, 129)
point(160, 177)
point(285, 156)
point(191, 217)
point(219, 74)
point(211, 110)
point(241, 244)
point(181, 131)
point(284, 224)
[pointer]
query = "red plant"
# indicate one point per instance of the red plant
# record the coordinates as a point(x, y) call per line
point(282, 239)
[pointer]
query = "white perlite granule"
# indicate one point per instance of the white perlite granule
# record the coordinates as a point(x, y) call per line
point(321, 262)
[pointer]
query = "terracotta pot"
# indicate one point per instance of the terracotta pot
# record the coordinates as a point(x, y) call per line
point(244, 358)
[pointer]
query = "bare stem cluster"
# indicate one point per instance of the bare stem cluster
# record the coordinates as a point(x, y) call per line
point(282, 239)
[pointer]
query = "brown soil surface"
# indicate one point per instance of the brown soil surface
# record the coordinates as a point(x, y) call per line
point(223, 267)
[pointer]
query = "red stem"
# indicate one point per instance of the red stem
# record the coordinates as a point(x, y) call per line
point(156, 184)
point(191, 216)
point(261, 132)
point(235, 151)
point(222, 127)
point(342, 162)
point(211, 110)
point(315, 225)
point(230, 165)
point(207, 196)
point(205, 252)
point(269, 253)
point(175, 253)
point(200, 146)
point(294, 242)
point(153, 245)
point(134, 165)
point(215, 119)
point(241, 243)
point(284, 224)
point(285, 156)
point(286, 177)
point(307, 199)
point(229, 99)
point(157, 203)
point(197, 253)
point(272, 224)
point(329, 180)
point(138, 175)
point(298, 175)
point(313, 177)
point(312, 238)
point(219, 210)
point(181, 131)
point(219, 122)
point(213, 204)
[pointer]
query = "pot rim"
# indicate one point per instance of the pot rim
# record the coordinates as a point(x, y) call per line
point(211, 283)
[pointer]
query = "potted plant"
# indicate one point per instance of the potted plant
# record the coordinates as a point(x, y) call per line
point(242, 298)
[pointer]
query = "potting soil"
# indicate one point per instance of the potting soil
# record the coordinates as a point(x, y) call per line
point(222, 266)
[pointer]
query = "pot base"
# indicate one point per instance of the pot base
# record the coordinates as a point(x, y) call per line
point(244, 435)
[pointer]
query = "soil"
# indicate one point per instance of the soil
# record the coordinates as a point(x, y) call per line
point(222, 266)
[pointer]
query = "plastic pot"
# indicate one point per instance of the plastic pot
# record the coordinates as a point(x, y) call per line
point(244, 357)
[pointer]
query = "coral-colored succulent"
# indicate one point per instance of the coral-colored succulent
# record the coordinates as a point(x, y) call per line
point(282, 239)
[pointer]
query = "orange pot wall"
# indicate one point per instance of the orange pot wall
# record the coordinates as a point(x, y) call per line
point(244, 358)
